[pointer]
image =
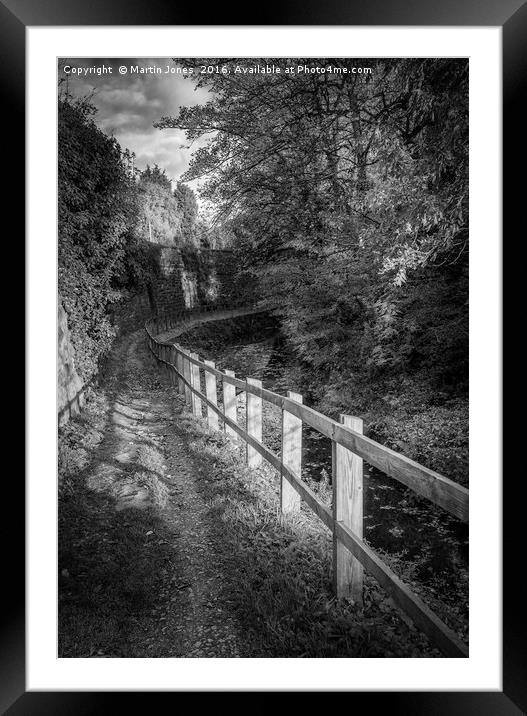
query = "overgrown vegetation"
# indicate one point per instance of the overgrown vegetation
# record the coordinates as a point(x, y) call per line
point(108, 217)
point(281, 568)
point(348, 198)
point(403, 412)
point(168, 217)
point(99, 255)
point(119, 578)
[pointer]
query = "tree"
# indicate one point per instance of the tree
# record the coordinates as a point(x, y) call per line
point(155, 175)
point(348, 194)
point(160, 219)
point(168, 217)
point(187, 205)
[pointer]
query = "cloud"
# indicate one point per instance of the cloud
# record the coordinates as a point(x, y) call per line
point(129, 104)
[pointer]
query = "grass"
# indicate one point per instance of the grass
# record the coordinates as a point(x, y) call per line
point(281, 580)
point(408, 415)
point(114, 565)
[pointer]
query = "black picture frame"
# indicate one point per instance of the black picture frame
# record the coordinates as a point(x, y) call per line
point(15, 17)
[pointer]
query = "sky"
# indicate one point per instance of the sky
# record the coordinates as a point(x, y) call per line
point(128, 105)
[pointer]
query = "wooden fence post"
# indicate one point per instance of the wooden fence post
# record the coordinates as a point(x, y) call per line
point(179, 366)
point(187, 374)
point(291, 456)
point(210, 391)
point(230, 403)
point(254, 422)
point(196, 384)
point(166, 356)
point(172, 353)
point(163, 358)
point(347, 508)
point(172, 360)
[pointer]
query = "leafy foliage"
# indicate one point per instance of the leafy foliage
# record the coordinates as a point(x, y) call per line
point(187, 205)
point(109, 217)
point(99, 256)
point(347, 195)
point(159, 218)
point(167, 217)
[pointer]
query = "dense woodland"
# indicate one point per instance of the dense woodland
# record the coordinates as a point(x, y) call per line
point(345, 196)
point(348, 198)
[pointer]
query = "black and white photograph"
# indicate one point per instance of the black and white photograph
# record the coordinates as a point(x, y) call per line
point(263, 305)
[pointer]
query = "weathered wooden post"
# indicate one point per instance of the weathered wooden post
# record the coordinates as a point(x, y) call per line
point(187, 374)
point(172, 354)
point(230, 405)
point(291, 456)
point(347, 508)
point(175, 358)
point(194, 372)
point(166, 356)
point(179, 366)
point(210, 391)
point(162, 356)
point(254, 422)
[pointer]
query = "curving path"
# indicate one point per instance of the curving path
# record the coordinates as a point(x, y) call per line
point(142, 476)
point(170, 547)
point(205, 318)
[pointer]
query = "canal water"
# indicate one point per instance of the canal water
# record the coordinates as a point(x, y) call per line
point(423, 542)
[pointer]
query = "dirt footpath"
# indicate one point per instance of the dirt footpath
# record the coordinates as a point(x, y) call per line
point(140, 574)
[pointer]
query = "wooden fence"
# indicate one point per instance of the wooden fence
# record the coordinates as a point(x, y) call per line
point(350, 553)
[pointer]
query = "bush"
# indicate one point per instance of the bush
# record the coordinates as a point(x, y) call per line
point(96, 213)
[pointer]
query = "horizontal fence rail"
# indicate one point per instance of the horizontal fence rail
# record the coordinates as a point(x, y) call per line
point(351, 554)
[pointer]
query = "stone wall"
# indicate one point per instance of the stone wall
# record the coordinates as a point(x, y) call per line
point(205, 278)
point(186, 279)
point(70, 397)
